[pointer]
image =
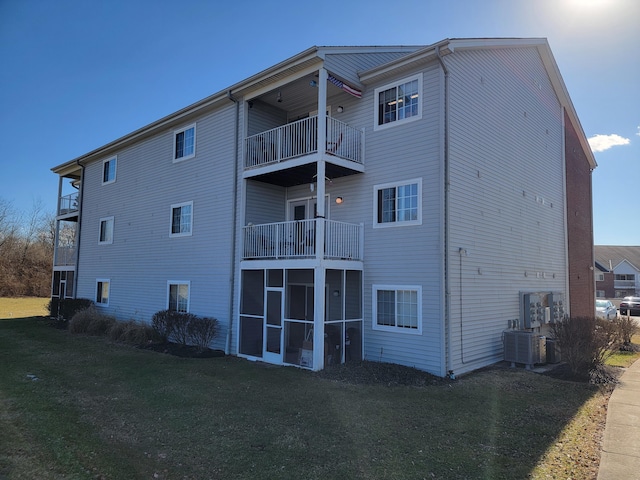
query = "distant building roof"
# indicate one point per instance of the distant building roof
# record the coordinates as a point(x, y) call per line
point(610, 256)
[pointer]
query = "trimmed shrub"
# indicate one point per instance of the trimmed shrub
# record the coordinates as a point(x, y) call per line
point(202, 331)
point(585, 343)
point(626, 328)
point(184, 328)
point(66, 308)
point(91, 322)
point(133, 333)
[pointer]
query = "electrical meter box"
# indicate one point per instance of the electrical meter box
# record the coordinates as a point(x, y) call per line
point(538, 308)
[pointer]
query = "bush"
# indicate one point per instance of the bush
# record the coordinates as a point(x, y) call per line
point(184, 328)
point(626, 328)
point(65, 308)
point(91, 322)
point(585, 343)
point(132, 333)
point(202, 331)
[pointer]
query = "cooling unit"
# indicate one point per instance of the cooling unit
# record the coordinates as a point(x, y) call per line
point(524, 347)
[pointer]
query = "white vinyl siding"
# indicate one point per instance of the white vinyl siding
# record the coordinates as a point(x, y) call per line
point(109, 170)
point(105, 234)
point(143, 253)
point(184, 143)
point(507, 227)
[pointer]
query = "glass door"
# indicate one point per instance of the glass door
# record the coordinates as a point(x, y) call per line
point(273, 327)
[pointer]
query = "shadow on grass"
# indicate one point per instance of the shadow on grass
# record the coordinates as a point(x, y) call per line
point(100, 408)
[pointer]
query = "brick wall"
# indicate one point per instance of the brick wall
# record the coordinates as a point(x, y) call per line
point(579, 225)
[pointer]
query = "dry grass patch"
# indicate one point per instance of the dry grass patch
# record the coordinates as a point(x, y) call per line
point(23, 307)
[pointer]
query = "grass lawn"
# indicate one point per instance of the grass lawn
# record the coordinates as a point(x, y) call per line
point(82, 407)
point(23, 307)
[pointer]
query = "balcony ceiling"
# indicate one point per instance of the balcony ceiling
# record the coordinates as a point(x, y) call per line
point(299, 97)
point(302, 174)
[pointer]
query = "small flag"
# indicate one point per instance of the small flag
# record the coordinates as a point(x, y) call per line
point(344, 86)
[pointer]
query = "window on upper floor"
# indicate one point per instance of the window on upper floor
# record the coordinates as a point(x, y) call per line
point(625, 277)
point(102, 292)
point(181, 219)
point(398, 203)
point(397, 308)
point(599, 277)
point(398, 103)
point(184, 143)
point(178, 296)
point(106, 231)
point(109, 170)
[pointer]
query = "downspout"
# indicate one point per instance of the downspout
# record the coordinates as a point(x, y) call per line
point(234, 208)
point(81, 194)
point(447, 287)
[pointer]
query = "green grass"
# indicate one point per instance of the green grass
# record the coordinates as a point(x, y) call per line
point(81, 407)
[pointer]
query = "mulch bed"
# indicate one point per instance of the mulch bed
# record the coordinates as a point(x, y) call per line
point(185, 351)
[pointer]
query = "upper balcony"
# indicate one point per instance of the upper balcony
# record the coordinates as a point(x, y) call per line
point(300, 138)
point(68, 205)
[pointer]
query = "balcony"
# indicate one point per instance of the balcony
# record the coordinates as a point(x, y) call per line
point(68, 204)
point(624, 283)
point(65, 256)
point(300, 138)
point(297, 239)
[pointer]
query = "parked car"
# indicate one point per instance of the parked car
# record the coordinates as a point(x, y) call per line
point(606, 309)
point(630, 303)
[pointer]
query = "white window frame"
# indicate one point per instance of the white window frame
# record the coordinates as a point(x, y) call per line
point(180, 234)
point(106, 220)
point(376, 104)
point(175, 135)
point(102, 281)
point(599, 277)
point(179, 283)
point(113, 159)
point(394, 328)
point(397, 223)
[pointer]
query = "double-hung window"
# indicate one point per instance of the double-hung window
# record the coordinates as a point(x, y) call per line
point(178, 296)
point(106, 231)
point(397, 308)
point(399, 102)
point(109, 170)
point(181, 219)
point(102, 292)
point(184, 143)
point(398, 203)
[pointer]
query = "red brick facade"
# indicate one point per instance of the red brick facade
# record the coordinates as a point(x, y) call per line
point(579, 225)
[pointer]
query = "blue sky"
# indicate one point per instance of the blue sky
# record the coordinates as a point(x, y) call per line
point(77, 74)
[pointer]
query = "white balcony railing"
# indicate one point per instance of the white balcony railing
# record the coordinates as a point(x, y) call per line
point(624, 283)
point(301, 138)
point(65, 256)
point(68, 204)
point(297, 239)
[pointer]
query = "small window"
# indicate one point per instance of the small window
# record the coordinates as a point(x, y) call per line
point(184, 143)
point(599, 277)
point(181, 219)
point(178, 300)
point(398, 204)
point(600, 294)
point(109, 170)
point(397, 308)
point(106, 231)
point(398, 102)
point(102, 292)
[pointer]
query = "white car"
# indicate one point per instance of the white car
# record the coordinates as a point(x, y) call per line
point(606, 309)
